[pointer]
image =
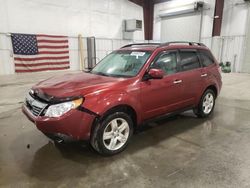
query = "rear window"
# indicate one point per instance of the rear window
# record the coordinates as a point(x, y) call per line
point(206, 58)
point(189, 60)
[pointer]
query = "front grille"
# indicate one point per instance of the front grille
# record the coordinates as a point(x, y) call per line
point(36, 107)
point(36, 110)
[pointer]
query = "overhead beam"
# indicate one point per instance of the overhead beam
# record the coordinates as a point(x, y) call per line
point(138, 2)
point(160, 1)
point(148, 15)
point(218, 14)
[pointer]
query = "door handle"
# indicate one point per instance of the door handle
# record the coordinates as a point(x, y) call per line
point(177, 81)
point(204, 75)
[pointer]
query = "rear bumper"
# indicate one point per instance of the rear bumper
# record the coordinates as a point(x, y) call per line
point(75, 124)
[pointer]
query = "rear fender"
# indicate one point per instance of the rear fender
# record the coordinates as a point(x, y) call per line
point(208, 85)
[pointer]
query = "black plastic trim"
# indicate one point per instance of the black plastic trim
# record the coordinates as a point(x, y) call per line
point(81, 108)
point(141, 44)
point(43, 97)
point(169, 114)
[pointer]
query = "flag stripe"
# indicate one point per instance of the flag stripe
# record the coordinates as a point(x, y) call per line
point(52, 50)
point(55, 52)
point(52, 44)
point(51, 47)
point(41, 64)
point(42, 61)
point(42, 69)
point(39, 58)
point(42, 55)
point(52, 41)
point(51, 36)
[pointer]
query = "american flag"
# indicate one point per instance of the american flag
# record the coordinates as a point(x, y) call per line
point(33, 53)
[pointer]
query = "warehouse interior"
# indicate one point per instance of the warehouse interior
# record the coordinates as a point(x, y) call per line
point(177, 151)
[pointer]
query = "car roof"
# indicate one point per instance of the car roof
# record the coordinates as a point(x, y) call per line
point(164, 46)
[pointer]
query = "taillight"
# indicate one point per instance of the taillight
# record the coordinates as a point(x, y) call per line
point(219, 68)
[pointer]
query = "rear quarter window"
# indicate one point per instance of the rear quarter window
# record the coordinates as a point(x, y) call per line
point(206, 58)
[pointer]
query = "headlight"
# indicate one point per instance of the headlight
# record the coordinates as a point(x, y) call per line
point(59, 109)
point(31, 91)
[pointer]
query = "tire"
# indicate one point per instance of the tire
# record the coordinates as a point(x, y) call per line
point(206, 104)
point(112, 134)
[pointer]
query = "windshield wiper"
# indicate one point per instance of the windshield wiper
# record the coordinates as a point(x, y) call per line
point(100, 73)
point(120, 76)
point(111, 75)
point(87, 71)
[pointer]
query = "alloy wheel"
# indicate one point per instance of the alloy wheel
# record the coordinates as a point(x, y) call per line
point(208, 103)
point(116, 134)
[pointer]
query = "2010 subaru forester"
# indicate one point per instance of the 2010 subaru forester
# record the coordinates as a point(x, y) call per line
point(135, 83)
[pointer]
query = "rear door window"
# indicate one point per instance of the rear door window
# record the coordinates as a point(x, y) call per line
point(189, 60)
point(206, 58)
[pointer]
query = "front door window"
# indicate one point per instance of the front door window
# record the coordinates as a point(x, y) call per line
point(167, 62)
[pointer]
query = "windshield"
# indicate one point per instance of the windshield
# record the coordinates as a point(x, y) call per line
point(122, 63)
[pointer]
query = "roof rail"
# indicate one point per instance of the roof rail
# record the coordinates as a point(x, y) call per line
point(180, 42)
point(140, 44)
point(165, 44)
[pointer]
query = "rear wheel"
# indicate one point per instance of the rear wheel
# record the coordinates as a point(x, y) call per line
point(112, 134)
point(206, 104)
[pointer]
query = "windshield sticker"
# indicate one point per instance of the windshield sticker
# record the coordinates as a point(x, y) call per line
point(137, 54)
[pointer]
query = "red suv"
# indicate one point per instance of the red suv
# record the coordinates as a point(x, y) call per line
point(135, 83)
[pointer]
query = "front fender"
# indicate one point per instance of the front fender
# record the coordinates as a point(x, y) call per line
point(100, 104)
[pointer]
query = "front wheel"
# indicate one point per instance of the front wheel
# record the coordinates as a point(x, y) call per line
point(112, 134)
point(206, 104)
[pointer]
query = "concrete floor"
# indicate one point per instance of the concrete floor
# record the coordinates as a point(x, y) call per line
point(182, 151)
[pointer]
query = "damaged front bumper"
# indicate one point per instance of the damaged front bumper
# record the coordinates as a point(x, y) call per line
point(73, 125)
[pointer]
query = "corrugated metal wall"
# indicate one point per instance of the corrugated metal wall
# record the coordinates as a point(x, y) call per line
point(225, 48)
point(228, 48)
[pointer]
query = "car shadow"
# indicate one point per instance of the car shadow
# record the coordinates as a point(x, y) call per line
point(146, 135)
point(50, 161)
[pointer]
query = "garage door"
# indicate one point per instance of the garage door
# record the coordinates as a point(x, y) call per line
point(184, 27)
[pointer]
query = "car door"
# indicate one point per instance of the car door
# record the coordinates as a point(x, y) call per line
point(191, 76)
point(159, 96)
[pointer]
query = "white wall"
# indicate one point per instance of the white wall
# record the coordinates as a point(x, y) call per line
point(231, 45)
point(102, 18)
point(234, 18)
point(246, 56)
point(207, 21)
point(172, 28)
point(233, 33)
point(99, 18)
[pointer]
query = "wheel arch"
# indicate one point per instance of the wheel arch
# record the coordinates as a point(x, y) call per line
point(123, 108)
point(213, 88)
point(118, 108)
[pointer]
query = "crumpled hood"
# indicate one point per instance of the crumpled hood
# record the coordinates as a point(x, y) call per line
point(71, 85)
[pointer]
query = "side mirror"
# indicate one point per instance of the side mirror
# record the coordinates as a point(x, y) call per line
point(155, 74)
